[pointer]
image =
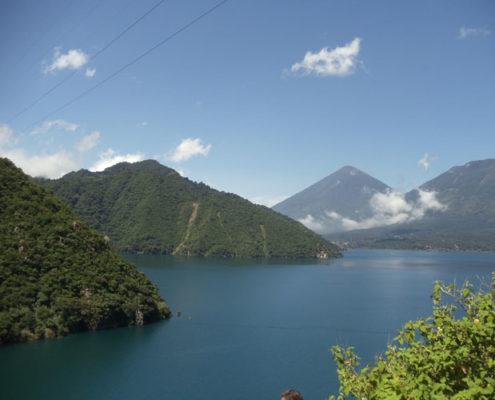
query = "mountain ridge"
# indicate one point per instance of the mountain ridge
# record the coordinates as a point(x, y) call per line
point(148, 207)
point(466, 222)
point(346, 192)
point(57, 275)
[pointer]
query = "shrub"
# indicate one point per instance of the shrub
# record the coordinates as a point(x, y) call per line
point(450, 355)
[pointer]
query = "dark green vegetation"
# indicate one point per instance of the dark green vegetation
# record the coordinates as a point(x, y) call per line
point(347, 192)
point(57, 275)
point(468, 223)
point(440, 357)
point(148, 208)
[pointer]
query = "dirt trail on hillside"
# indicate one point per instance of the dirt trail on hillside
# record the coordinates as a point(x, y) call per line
point(192, 218)
point(263, 235)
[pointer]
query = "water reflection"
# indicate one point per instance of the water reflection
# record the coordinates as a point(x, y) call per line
point(244, 324)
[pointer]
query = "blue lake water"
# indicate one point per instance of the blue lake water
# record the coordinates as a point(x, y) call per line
point(247, 329)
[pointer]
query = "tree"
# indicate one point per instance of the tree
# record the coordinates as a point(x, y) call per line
point(450, 355)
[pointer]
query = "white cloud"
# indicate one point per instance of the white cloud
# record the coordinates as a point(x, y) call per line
point(47, 165)
point(53, 163)
point(188, 148)
point(111, 157)
point(465, 32)
point(312, 223)
point(90, 72)
point(267, 200)
point(181, 172)
point(388, 208)
point(55, 124)
point(340, 61)
point(425, 161)
point(50, 165)
point(73, 59)
point(6, 135)
point(88, 141)
point(391, 208)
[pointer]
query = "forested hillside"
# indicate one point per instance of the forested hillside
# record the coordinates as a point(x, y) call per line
point(147, 207)
point(57, 275)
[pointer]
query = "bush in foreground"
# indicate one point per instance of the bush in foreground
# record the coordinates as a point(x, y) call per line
point(450, 355)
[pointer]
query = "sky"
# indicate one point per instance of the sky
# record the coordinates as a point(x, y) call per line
point(259, 98)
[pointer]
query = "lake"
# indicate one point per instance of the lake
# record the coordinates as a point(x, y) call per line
point(247, 330)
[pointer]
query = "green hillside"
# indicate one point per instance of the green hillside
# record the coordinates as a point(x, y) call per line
point(57, 275)
point(146, 207)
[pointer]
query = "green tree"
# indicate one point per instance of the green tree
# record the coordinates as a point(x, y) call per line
point(146, 207)
point(57, 275)
point(450, 355)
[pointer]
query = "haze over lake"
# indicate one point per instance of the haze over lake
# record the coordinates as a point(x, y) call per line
point(246, 328)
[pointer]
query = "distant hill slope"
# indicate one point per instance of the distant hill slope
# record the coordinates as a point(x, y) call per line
point(146, 207)
point(347, 192)
point(468, 191)
point(56, 274)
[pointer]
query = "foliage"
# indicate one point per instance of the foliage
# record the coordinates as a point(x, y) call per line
point(57, 275)
point(450, 355)
point(148, 208)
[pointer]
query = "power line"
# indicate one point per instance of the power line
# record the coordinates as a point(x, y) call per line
point(110, 43)
point(67, 31)
point(127, 29)
point(39, 38)
point(132, 62)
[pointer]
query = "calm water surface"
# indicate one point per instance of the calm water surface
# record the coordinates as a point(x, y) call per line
point(247, 330)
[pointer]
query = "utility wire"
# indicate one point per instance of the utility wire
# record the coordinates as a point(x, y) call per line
point(110, 43)
point(132, 62)
point(66, 32)
point(40, 37)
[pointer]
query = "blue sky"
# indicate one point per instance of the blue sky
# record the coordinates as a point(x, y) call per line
point(383, 83)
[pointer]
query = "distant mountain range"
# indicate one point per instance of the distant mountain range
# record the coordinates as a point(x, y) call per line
point(57, 275)
point(456, 210)
point(346, 192)
point(147, 207)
